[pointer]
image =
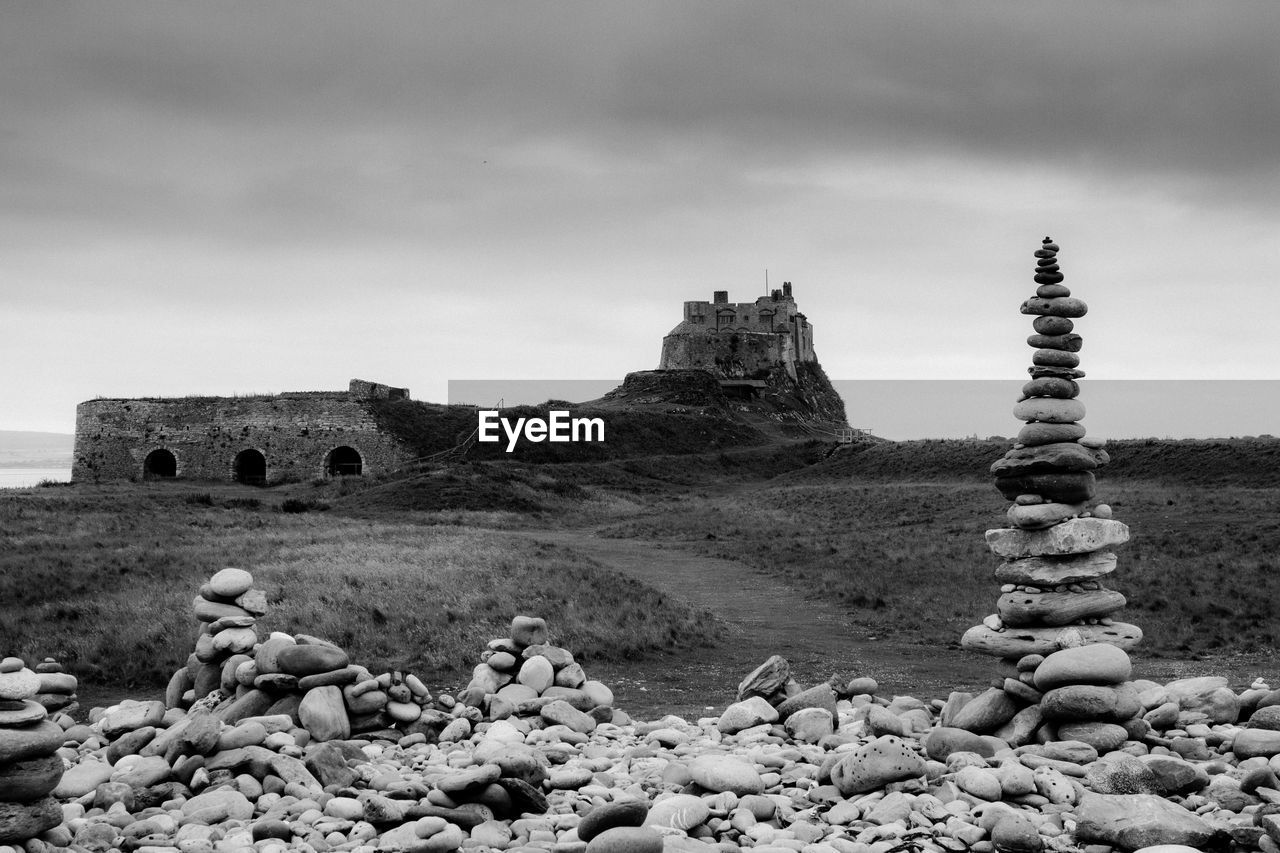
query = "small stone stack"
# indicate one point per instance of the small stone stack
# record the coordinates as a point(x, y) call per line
point(30, 767)
point(524, 676)
point(768, 694)
point(314, 682)
point(57, 688)
point(1057, 549)
point(228, 608)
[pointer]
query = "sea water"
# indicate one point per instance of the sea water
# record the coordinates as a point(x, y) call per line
point(21, 478)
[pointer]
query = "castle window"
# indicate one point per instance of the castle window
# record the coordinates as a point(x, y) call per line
point(344, 462)
point(251, 467)
point(159, 465)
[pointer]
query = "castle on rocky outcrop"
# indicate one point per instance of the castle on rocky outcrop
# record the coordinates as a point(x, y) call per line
point(300, 435)
point(756, 351)
point(740, 341)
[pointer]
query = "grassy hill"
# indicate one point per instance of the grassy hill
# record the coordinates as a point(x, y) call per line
point(430, 429)
point(1248, 462)
point(652, 413)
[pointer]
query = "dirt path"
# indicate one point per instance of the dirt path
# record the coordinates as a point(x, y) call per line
point(763, 616)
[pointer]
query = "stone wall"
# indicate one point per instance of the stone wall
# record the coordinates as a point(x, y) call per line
point(365, 388)
point(295, 433)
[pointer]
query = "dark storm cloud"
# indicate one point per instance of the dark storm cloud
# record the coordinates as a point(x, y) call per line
point(309, 119)
point(1135, 85)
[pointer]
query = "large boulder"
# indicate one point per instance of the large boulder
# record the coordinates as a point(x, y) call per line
point(766, 680)
point(986, 712)
point(746, 714)
point(309, 659)
point(721, 773)
point(1133, 821)
point(323, 714)
point(876, 764)
point(1097, 663)
point(22, 821)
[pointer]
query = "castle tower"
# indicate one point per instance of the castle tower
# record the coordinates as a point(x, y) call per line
point(740, 341)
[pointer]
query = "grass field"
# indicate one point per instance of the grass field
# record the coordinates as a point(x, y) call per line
point(910, 561)
point(405, 574)
point(103, 580)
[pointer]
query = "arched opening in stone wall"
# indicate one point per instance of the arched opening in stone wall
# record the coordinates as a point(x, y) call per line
point(251, 467)
point(343, 462)
point(159, 465)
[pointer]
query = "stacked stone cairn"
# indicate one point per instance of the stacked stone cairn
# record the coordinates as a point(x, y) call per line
point(227, 609)
point(770, 695)
point(1057, 548)
point(57, 687)
point(30, 767)
point(523, 676)
point(1065, 666)
point(307, 678)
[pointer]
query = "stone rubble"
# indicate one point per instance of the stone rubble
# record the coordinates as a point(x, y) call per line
point(875, 774)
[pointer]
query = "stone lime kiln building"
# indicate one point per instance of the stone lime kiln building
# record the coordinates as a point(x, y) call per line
point(300, 435)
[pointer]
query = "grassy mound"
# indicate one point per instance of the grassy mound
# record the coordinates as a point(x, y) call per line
point(1251, 462)
point(532, 489)
point(464, 487)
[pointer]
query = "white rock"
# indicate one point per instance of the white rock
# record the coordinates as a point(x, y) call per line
point(231, 583)
point(537, 674)
point(746, 714)
point(726, 773)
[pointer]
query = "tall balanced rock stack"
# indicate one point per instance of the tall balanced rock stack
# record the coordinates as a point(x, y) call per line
point(1066, 671)
point(1056, 550)
point(30, 767)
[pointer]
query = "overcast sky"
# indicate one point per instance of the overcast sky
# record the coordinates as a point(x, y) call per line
point(220, 198)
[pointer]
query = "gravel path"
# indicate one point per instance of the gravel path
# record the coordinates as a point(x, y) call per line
point(763, 616)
